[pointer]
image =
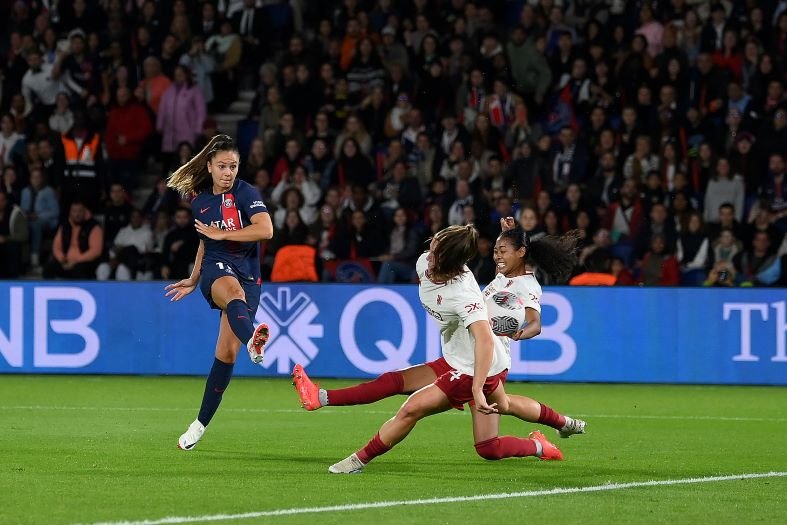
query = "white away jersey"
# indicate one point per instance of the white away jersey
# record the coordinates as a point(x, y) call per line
point(456, 305)
point(527, 289)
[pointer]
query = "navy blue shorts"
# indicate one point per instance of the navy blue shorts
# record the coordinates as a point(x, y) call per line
point(211, 272)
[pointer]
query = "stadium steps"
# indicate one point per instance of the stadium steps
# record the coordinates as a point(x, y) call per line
point(227, 121)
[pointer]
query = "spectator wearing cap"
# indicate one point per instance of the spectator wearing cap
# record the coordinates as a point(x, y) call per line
point(391, 50)
point(181, 113)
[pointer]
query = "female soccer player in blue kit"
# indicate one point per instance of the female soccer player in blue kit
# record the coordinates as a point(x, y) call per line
point(231, 220)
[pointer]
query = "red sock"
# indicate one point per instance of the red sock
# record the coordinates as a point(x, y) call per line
point(373, 448)
point(551, 418)
point(388, 384)
point(506, 447)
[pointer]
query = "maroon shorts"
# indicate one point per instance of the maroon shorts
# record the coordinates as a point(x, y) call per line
point(439, 366)
point(459, 387)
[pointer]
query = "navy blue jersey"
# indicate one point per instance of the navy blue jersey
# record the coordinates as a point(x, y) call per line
point(231, 211)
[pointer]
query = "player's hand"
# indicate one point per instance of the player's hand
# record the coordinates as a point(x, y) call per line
point(507, 223)
point(211, 232)
point(482, 406)
point(179, 290)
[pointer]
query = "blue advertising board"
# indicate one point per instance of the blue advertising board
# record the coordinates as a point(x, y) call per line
point(660, 335)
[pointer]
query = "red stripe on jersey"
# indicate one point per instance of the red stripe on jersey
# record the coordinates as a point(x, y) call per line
point(229, 212)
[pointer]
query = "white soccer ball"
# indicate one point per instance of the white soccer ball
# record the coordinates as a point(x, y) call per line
point(506, 313)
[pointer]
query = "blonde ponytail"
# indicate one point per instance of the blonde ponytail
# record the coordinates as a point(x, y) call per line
point(193, 176)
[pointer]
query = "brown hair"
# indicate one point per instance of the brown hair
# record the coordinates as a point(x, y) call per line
point(455, 246)
point(193, 176)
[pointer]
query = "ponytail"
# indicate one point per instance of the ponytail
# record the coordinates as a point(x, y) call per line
point(193, 176)
point(556, 256)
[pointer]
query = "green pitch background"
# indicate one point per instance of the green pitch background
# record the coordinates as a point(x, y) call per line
point(92, 449)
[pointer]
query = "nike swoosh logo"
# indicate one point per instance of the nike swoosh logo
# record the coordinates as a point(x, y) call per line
point(203, 210)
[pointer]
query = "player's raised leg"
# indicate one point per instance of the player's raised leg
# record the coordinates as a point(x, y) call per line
point(530, 410)
point(386, 385)
point(427, 401)
point(228, 295)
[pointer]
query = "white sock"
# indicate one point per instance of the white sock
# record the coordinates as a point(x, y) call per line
point(323, 397)
point(539, 448)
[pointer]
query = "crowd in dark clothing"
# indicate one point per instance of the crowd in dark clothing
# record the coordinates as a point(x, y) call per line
point(657, 130)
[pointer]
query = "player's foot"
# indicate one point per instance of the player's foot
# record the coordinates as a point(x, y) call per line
point(256, 345)
point(192, 436)
point(573, 426)
point(349, 465)
point(307, 391)
point(548, 450)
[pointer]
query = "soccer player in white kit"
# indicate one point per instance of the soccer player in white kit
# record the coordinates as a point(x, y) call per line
point(478, 367)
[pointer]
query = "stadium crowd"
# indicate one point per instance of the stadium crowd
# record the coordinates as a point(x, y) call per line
point(656, 130)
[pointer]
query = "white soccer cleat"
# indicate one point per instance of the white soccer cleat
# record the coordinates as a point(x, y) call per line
point(256, 345)
point(192, 436)
point(573, 426)
point(349, 465)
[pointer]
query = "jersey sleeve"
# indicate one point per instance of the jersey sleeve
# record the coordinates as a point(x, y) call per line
point(470, 307)
point(530, 294)
point(250, 201)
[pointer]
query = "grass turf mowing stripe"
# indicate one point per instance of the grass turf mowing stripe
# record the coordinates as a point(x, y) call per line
point(435, 501)
point(347, 410)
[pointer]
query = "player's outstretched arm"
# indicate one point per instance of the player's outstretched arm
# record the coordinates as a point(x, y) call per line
point(484, 348)
point(181, 289)
point(260, 229)
point(533, 327)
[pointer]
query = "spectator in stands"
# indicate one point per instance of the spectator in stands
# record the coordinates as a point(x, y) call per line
point(40, 205)
point(77, 246)
point(180, 114)
point(128, 129)
point(180, 247)
point(308, 189)
point(128, 251)
point(693, 251)
point(201, 64)
point(84, 173)
point(39, 86)
point(117, 212)
point(62, 118)
point(13, 235)
point(161, 199)
point(659, 266)
point(10, 140)
point(153, 85)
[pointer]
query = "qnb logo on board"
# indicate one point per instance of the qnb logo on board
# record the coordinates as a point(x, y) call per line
point(49, 318)
point(292, 331)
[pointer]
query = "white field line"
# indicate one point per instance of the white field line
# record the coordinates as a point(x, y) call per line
point(436, 501)
point(353, 410)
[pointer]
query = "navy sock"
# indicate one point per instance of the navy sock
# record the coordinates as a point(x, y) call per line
point(218, 380)
point(240, 320)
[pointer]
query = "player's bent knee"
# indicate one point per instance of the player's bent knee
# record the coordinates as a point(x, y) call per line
point(489, 449)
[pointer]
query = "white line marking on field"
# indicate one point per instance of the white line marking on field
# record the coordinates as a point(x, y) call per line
point(435, 501)
point(352, 410)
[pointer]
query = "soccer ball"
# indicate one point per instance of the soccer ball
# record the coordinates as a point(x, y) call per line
point(506, 313)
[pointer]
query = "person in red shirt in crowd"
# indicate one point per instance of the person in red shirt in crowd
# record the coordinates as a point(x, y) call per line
point(128, 129)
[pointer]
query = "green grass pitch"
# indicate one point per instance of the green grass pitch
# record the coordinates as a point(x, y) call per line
point(93, 449)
